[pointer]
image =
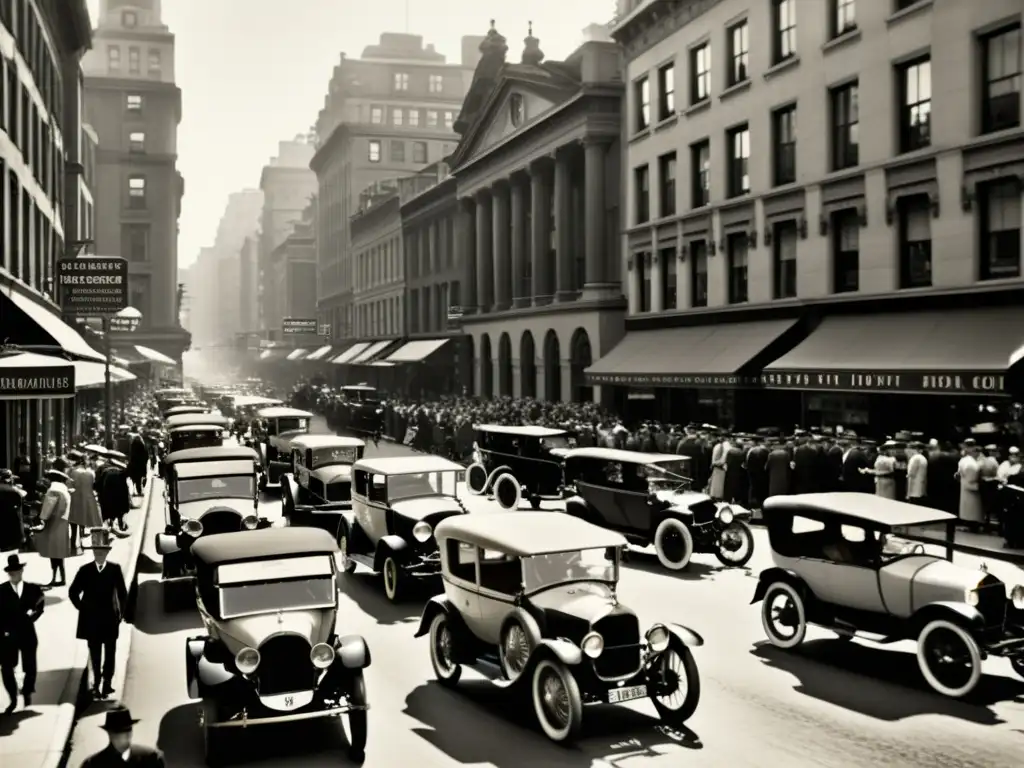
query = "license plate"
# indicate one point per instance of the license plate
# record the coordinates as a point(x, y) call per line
point(619, 695)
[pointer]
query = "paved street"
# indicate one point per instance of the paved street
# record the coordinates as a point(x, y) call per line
point(832, 704)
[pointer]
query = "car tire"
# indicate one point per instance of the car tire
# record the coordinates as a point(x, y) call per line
point(514, 649)
point(392, 575)
point(442, 639)
point(673, 543)
point(507, 492)
point(940, 638)
point(557, 701)
point(476, 478)
point(1018, 666)
point(680, 662)
point(794, 604)
point(743, 530)
point(348, 565)
point(357, 726)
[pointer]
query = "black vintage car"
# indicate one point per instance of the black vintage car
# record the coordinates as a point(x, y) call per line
point(320, 488)
point(514, 462)
point(362, 411)
point(271, 653)
point(647, 498)
point(195, 436)
point(281, 425)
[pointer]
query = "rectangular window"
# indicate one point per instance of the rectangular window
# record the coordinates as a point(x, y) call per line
point(643, 266)
point(414, 118)
point(700, 73)
point(435, 83)
point(784, 238)
point(667, 184)
point(135, 242)
point(137, 141)
point(1002, 80)
point(915, 84)
point(784, 30)
point(915, 233)
point(134, 61)
point(133, 102)
point(843, 17)
point(845, 119)
point(401, 81)
point(138, 296)
point(431, 118)
point(668, 278)
point(397, 116)
point(666, 91)
point(376, 115)
point(154, 62)
point(784, 145)
point(739, 53)
point(449, 120)
point(642, 184)
point(114, 58)
point(137, 192)
point(374, 151)
point(419, 152)
point(700, 171)
point(398, 151)
point(736, 252)
point(698, 273)
point(738, 141)
point(642, 98)
point(1000, 210)
point(845, 251)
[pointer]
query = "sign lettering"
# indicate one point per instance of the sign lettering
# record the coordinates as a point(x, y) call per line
point(31, 383)
point(92, 285)
point(293, 326)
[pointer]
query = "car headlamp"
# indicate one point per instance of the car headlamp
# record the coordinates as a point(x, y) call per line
point(593, 645)
point(658, 637)
point(1017, 597)
point(422, 531)
point(726, 515)
point(971, 597)
point(322, 655)
point(250, 522)
point(193, 528)
point(246, 660)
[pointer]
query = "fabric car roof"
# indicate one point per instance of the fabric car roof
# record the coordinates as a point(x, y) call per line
point(254, 545)
point(527, 533)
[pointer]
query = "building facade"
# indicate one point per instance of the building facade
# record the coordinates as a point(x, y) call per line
point(378, 287)
point(293, 270)
point(386, 115)
point(537, 180)
point(134, 107)
point(249, 287)
point(763, 216)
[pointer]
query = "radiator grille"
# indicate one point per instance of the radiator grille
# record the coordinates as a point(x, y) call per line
point(221, 522)
point(285, 666)
point(621, 656)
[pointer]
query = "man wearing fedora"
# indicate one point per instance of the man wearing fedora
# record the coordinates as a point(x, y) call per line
point(21, 605)
point(99, 593)
point(119, 725)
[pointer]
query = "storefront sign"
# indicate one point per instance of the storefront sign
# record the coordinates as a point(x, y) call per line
point(92, 285)
point(32, 383)
point(677, 380)
point(919, 382)
point(293, 326)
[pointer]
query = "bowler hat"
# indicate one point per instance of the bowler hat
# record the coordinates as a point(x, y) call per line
point(119, 720)
point(99, 538)
point(14, 564)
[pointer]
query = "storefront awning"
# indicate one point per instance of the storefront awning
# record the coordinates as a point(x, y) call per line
point(49, 329)
point(1015, 375)
point(272, 355)
point(29, 376)
point(368, 354)
point(90, 375)
point(960, 351)
point(701, 357)
point(154, 356)
point(353, 351)
point(416, 351)
point(297, 354)
point(319, 354)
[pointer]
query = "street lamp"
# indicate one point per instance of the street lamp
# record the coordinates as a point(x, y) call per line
point(125, 321)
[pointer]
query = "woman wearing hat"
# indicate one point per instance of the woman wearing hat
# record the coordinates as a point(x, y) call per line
point(120, 725)
point(85, 510)
point(54, 539)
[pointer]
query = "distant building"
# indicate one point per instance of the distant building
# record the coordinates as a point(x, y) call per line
point(385, 115)
point(134, 107)
point(291, 275)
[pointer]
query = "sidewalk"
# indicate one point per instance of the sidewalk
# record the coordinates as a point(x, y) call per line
point(36, 737)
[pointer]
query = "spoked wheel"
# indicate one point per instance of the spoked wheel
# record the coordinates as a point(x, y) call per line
point(392, 580)
point(476, 478)
point(783, 615)
point(735, 545)
point(673, 543)
point(674, 684)
point(447, 671)
point(355, 722)
point(1018, 666)
point(346, 564)
point(514, 651)
point(557, 701)
point(949, 658)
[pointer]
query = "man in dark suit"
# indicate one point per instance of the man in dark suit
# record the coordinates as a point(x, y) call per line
point(806, 466)
point(757, 470)
point(12, 521)
point(779, 467)
point(114, 494)
point(99, 593)
point(120, 752)
point(21, 605)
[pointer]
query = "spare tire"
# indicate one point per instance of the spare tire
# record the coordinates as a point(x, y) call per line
point(507, 492)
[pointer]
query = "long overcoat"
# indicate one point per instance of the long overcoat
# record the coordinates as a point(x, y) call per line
point(85, 509)
point(54, 541)
point(100, 597)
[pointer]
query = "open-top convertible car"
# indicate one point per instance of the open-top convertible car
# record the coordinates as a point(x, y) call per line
point(647, 498)
point(321, 487)
point(283, 424)
point(396, 504)
point(208, 491)
point(512, 462)
point(839, 564)
point(269, 602)
point(530, 597)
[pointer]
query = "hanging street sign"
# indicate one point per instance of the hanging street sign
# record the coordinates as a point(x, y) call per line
point(293, 326)
point(92, 286)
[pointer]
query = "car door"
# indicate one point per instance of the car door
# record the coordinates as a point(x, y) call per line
point(499, 580)
point(460, 577)
point(594, 484)
point(635, 498)
point(848, 582)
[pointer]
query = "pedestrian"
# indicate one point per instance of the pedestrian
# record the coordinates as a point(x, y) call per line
point(885, 471)
point(917, 475)
point(12, 522)
point(99, 594)
point(1011, 467)
point(120, 726)
point(21, 605)
point(85, 510)
point(115, 497)
point(53, 536)
point(971, 512)
point(138, 461)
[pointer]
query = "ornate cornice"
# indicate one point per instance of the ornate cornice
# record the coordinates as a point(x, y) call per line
point(656, 21)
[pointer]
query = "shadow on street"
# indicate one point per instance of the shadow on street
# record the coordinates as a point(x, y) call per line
point(150, 616)
point(648, 563)
point(10, 723)
point(367, 591)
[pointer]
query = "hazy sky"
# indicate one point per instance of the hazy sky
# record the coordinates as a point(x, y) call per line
point(253, 72)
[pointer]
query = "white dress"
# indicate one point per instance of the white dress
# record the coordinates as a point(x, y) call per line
point(970, 498)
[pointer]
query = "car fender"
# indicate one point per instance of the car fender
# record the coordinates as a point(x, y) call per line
point(494, 474)
point(685, 635)
point(770, 575)
point(353, 652)
point(435, 605)
point(528, 622)
point(210, 674)
point(194, 648)
point(386, 547)
point(962, 614)
point(565, 651)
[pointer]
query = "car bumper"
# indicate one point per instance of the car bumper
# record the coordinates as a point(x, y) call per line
point(263, 717)
point(423, 566)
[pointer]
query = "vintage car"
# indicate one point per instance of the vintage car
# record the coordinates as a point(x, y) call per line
point(647, 498)
point(396, 503)
point(195, 436)
point(282, 424)
point(169, 398)
point(208, 491)
point(839, 564)
point(512, 462)
point(180, 410)
point(530, 597)
point(270, 654)
point(194, 419)
point(364, 415)
point(321, 487)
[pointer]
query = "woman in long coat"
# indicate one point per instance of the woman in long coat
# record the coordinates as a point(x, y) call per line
point(716, 488)
point(971, 511)
point(54, 540)
point(85, 509)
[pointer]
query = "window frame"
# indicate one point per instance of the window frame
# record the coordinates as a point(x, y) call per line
point(700, 73)
point(737, 254)
point(700, 173)
point(668, 166)
point(642, 193)
point(991, 121)
point(739, 59)
point(666, 91)
point(911, 135)
point(738, 166)
point(845, 150)
point(784, 39)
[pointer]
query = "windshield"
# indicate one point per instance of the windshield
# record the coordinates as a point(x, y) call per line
point(665, 474)
point(290, 424)
point(543, 571)
point(270, 597)
point(234, 487)
point(422, 484)
point(338, 455)
point(556, 441)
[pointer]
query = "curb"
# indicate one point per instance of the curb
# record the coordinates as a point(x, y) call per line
point(69, 697)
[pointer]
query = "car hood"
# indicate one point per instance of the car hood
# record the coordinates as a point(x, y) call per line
point(684, 499)
point(586, 601)
point(426, 506)
point(193, 510)
point(251, 631)
point(335, 473)
point(944, 575)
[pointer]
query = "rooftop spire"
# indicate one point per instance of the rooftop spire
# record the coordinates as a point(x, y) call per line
point(532, 54)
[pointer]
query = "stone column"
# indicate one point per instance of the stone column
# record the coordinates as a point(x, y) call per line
point(484, 254)
point(500, 236)
point(520, 291)
point(657, 276)
point(465, 253)
point(540, 234)
point(564, 251)
point(633, 268)
point(595, 216)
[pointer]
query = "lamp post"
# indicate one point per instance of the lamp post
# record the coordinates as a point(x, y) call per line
point(127, 320)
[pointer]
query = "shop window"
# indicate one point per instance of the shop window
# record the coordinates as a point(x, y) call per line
point(668, 278)
point(736, 247)
point(1000, 211)
point(915, 233)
